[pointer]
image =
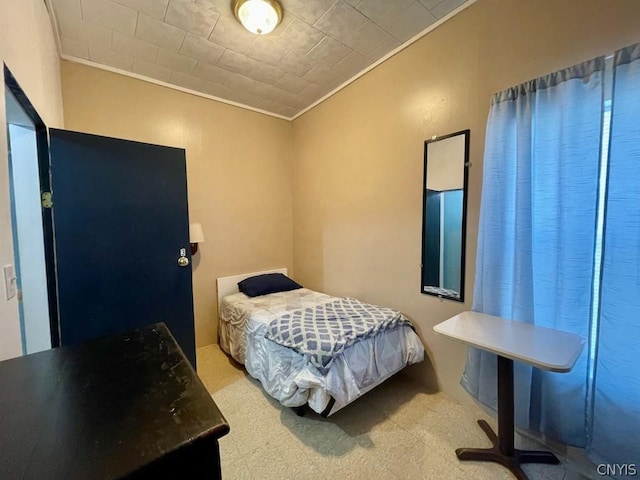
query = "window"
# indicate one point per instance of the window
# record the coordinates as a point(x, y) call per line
point(559, 246)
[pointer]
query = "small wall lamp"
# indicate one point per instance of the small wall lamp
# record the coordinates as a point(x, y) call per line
point(196, 236)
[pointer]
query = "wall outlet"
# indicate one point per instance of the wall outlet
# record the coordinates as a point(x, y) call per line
point(10, 281)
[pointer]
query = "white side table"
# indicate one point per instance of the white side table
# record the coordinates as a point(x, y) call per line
point(540, 347)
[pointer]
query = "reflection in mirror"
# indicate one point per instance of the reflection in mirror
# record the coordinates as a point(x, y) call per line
point(446, 161)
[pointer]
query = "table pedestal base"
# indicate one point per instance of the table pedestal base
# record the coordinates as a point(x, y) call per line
point(512, 462)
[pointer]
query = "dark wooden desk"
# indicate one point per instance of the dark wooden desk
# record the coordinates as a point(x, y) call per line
point(129, 406)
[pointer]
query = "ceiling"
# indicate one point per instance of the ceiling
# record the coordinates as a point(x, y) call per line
point(198, 45)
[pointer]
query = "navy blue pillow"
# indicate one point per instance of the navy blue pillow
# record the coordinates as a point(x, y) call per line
point(267, 283)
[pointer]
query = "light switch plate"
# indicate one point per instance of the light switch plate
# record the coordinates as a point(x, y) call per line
point(10, 281)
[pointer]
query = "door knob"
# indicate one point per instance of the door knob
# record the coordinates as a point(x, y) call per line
point(183, 261)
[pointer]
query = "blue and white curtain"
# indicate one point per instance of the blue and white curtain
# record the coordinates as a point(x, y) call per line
point(539, 251)
point(537, 235)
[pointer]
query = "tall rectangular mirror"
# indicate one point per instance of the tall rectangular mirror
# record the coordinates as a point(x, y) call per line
point(444, 215)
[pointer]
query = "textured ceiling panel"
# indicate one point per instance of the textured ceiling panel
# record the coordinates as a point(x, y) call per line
point(200, 46)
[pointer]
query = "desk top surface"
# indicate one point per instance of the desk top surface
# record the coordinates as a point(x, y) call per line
point(102, 409)
point(541, 347)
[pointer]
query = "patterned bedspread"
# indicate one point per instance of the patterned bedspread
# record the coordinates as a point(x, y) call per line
point(322, 332)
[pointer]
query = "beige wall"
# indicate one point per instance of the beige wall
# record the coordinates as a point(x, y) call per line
point(358, 156)
point(27, 47)
point(238, 170)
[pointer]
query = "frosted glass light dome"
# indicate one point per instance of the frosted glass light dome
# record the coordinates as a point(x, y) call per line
point(258, 16)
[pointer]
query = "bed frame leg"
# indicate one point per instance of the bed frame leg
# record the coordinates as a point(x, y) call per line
point(301, 411)
point(325, 413)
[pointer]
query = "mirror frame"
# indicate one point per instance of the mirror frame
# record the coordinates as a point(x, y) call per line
point(465, 189)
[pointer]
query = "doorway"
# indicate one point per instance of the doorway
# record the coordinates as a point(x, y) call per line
point(27, 224)
point(112, 226)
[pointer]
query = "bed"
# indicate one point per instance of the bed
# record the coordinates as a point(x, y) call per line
point(292, 377)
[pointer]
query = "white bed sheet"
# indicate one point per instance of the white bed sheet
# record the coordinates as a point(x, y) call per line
point(286, 375)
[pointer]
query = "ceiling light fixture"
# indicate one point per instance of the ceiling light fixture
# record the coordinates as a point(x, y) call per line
point(258, 16)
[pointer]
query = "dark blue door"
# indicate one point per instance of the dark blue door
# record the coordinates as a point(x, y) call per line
point(120, 224)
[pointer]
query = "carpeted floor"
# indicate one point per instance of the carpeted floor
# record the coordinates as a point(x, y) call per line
point(396, 431)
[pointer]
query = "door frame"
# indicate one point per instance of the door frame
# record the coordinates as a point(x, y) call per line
point(42, 143)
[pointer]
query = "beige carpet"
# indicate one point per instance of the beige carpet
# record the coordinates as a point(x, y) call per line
point(397, 431)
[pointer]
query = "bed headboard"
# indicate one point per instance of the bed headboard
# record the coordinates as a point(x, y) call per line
point(229, 285)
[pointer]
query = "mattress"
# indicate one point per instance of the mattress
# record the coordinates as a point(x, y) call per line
point(286, 374)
